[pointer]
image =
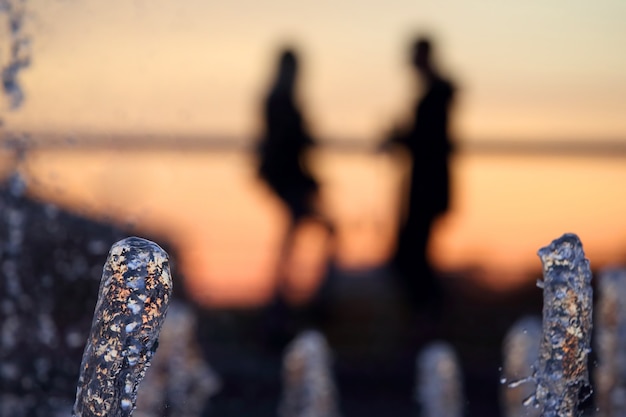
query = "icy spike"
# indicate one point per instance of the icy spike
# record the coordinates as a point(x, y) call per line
point(132, 302)
point(561, 370)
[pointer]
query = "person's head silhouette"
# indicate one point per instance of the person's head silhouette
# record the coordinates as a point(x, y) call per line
point(421, 55)
point(287, 70)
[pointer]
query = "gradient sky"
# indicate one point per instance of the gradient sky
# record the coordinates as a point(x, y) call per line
point(532, 69)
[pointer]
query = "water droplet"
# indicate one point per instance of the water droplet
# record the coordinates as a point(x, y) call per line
point(133, 306)
point(515, 384)
point(17, 185)
point(530, 400)
point(126, 404)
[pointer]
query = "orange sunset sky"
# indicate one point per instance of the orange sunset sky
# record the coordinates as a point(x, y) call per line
point(527, 71)
point(530, 70)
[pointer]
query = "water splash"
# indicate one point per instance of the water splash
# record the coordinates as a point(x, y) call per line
point(439, 390)
point(309, 390)
point(42, 260)
point(610, 373)
point(520, 382)
point(520, 352)
point(18, 55)
point(562, 371)
point(179, 378)
point(122, 339)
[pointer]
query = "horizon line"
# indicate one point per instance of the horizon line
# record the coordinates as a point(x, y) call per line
point(169, 141)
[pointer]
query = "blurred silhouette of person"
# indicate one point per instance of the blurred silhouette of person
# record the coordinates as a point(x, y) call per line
point(428, 143)
point(282, 166)
point(285, 143)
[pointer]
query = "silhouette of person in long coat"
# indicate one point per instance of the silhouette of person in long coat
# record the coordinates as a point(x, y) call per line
point(428, 143)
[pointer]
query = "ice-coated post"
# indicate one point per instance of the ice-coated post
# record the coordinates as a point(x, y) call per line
point(439, 390)
point(561, 371)
point(308, 387)
point(132, 302)
point(610, 374)
point(520, 352)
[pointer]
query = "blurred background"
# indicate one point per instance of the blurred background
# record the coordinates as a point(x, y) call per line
point(181, 85)
point(147, 114)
